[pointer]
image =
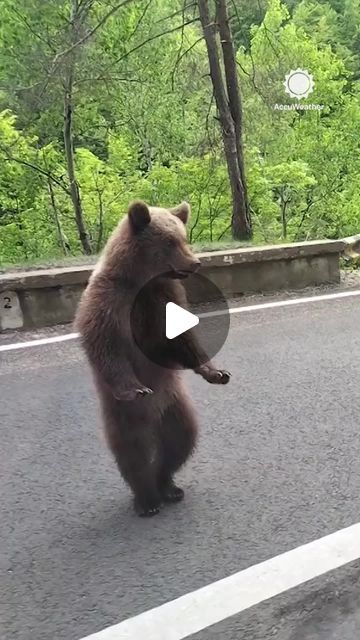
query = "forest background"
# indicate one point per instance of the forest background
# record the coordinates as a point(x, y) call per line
point(103, 102)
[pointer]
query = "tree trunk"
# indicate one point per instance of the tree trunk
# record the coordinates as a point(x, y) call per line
point(233, 91)
point(70, 164)
point(68, 137)
point(62, 241)
point(240, 223)
point(101, 223)
point(283, 219)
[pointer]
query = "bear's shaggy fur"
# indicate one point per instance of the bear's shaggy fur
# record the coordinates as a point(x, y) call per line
point(149, 421)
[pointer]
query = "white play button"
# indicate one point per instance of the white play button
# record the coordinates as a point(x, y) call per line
point(178, 320)
point(175, 322)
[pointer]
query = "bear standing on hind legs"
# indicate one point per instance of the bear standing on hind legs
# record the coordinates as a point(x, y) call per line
point(149, 420)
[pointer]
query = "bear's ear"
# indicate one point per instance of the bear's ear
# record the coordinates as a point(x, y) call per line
point(182, 211)
point(139, 215)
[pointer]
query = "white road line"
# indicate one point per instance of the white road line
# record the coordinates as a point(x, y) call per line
point(200, 609)
point(244, 309)
point(39, 342)
point(283, 303)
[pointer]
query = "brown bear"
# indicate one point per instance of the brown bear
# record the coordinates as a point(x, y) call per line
point(149, 421)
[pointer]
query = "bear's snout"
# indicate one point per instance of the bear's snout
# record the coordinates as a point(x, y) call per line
point(195, 265)
point(185, 268)
point(191, 265)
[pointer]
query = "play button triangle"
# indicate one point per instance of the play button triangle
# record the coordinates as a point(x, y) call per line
point(178, 320)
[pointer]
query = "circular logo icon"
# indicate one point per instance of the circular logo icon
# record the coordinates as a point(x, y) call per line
point(178, 334)
point(299, 83)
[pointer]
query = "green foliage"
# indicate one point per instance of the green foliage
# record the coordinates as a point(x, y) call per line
point(308, 159)
point(145, 126)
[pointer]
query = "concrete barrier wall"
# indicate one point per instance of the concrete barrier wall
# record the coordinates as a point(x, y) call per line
point(47, 297)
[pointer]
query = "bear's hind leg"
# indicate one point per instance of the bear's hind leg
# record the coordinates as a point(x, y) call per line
point(141, 476)
point(137, 456)
point(178, 431)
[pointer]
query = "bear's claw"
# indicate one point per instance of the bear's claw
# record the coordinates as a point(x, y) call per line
point(224, 377)
point(147, 510)
point(173, 494)
point(144, 391)
point(148, 513)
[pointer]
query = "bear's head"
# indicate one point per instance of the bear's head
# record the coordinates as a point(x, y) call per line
point(156, 239)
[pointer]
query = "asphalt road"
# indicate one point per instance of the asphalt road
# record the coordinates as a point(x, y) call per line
point(277, 466)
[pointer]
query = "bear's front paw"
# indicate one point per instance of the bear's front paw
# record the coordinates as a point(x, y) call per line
point(215, 376)
point(126, 395)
